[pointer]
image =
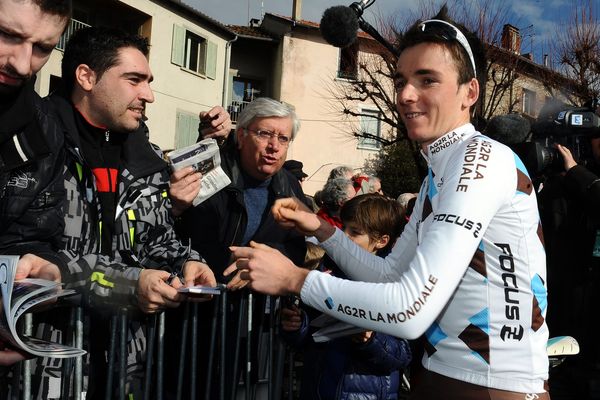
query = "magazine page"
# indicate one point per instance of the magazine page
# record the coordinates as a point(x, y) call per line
point(205, 158)
point(331, 328)
point(19, 297)
point(336, 330)
point(27, 288)
point(8, 267)
point(43, 348)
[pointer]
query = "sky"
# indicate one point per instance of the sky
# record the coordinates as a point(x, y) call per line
point(537, 19)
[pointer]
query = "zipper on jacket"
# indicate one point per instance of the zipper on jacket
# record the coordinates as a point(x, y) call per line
point(237, 226)
point(107, 136)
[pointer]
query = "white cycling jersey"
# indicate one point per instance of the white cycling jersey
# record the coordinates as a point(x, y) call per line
point(468, 272)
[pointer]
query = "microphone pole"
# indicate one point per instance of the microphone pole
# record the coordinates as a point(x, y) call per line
point(368, 28)
point(359, 8)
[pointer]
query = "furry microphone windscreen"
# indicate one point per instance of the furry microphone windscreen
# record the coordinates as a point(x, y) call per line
point(339, 26)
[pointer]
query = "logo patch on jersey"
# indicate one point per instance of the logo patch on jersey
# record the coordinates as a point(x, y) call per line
point(474, 165)
point(460, 221)
point(329, 303)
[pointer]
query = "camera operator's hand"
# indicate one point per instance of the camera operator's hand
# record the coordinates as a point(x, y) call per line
point(567, 157)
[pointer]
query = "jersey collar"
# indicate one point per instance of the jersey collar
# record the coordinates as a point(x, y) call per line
point(439, 150)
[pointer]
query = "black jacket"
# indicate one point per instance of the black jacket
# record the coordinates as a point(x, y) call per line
point(220, 221)
point(31, 178)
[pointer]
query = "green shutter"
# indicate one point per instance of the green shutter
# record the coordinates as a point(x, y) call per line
point(187, 129)
point(194, 121)
point(178, 45)
point(211, 60)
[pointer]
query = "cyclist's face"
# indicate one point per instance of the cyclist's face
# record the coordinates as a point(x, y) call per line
point(430, 100)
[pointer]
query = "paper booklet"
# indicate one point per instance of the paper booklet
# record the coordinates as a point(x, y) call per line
point(27, 295)
point(200, 289)
point(205, 158)
point(332, 328)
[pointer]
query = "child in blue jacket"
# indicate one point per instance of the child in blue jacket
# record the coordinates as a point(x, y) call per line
point(361, 366)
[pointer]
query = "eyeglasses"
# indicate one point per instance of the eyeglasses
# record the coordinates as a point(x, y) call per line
point(265, 136)
point(448, 31)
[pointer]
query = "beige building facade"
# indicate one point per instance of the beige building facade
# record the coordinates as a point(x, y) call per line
point(300, 68)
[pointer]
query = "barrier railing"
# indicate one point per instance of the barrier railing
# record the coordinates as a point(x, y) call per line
point(237, 382)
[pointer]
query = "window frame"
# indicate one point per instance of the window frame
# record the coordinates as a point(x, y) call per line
point(183, 40)
point(342, 74)
point(368, 143)
point(528, 99)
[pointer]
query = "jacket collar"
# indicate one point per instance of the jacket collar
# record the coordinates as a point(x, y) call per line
point(139, 157)
point(231, 164)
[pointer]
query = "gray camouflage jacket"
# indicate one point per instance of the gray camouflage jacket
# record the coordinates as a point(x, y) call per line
point(144, 235)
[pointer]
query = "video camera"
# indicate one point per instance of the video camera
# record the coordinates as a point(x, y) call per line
point(572, 128)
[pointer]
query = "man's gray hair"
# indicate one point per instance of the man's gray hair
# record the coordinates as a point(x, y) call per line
point(340, 172)
point(335, 192)
point(265, 107)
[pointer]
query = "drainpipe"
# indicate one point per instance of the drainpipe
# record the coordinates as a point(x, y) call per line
point(297, 10)
point(226, 71)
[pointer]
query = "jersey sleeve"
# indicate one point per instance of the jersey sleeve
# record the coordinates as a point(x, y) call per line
point(408, 298)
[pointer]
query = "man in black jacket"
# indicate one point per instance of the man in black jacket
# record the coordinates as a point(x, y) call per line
point(241, 212)
point(31, 154)
point(570, 214)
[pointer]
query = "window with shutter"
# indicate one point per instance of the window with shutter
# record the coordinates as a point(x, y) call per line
point(194, 52)
point(370, 124)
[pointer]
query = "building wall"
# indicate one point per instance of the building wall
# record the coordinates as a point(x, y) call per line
point(523, 82)
point(308, 70)
point(174, 88)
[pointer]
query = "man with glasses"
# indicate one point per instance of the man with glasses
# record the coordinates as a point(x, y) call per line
point(468, 273)
point(241, 212)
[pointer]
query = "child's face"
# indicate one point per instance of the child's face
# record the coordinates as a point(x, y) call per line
point(360, 238)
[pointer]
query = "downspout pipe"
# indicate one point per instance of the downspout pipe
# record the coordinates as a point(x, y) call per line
point(226, 71)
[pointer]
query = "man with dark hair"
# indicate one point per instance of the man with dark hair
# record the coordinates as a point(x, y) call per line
point(31, 154)
point(119, 239)
point(468, 273)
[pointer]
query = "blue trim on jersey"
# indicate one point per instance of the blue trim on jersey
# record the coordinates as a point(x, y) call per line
point(482, 320)
point(540, 292)
point(481, 247)
point(520, 166)
point(479, 357)
point(435, 334)
point(432, 189)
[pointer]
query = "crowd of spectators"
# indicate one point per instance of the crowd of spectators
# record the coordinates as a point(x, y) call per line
point(88, 201)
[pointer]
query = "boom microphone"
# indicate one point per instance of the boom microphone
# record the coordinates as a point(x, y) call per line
point(339, 26)
point(508, 129)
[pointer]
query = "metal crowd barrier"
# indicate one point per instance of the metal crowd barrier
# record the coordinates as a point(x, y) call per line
point(154, 386)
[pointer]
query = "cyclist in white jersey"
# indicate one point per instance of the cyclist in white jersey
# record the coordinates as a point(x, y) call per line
point(469, 272)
